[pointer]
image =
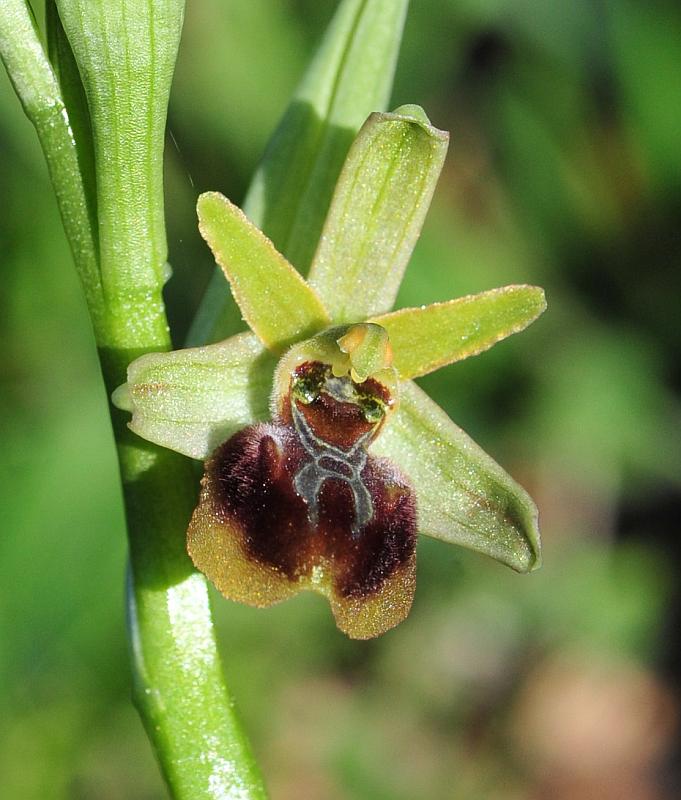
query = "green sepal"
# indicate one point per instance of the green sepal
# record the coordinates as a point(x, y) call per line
point(463, 496)
point(426, 338)
point(376, 213)
point(192, 400)
point(349, 77)
point(276, 302)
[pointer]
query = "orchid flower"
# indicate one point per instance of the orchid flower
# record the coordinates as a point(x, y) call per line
point(323, 459)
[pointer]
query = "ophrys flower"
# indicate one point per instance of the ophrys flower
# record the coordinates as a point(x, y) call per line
point(322, 468)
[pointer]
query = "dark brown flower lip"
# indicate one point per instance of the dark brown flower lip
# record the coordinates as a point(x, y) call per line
point(250, 480)
point(300, 503)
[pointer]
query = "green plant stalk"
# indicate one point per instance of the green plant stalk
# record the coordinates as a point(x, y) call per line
point(178, 680)
point(179, 687)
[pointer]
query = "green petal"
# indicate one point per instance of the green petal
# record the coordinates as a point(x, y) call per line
point(192, 400)
point(463, 496)
point(425, 339)
point(376, 214)
point(276, 302)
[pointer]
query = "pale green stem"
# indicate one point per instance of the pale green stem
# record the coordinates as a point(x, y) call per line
point(179, 686)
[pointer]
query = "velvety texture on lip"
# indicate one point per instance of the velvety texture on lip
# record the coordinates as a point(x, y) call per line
point(352, 537)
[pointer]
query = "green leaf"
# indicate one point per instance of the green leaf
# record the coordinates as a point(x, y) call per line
point(274, 299)
point(463, 496)
point(38, 89)
point(349, 77)
point(377, 212)
point(73, 92)
point(192, 400)
point(425, 339)
point(125, 53)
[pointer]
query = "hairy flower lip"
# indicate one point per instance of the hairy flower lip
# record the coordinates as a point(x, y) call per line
point(295, 510)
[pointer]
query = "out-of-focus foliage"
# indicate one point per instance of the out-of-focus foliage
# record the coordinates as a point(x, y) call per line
point(564, 171)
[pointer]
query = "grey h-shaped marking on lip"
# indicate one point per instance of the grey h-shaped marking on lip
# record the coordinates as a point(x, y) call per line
point(328, 461)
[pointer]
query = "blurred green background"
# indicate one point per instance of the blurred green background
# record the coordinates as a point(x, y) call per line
point(565, 171)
